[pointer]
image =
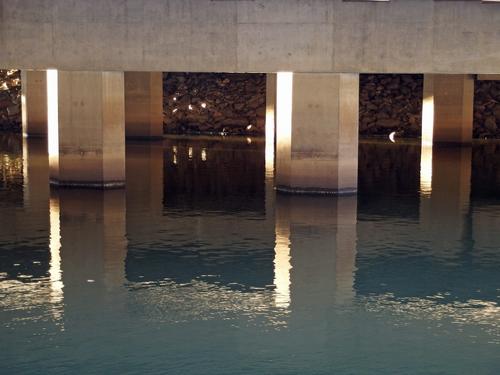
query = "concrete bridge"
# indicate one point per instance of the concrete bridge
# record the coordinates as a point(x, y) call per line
point(104, 60)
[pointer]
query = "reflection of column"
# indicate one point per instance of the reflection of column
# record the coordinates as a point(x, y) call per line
point(316, 245)
point(36, 174)
point(93, 244)
point(444, 205)
point(35, 186)
point(317, 133)
point(144, 170)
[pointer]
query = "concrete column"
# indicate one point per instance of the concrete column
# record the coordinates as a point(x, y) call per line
point(317, 133)
point(144, 104)
point(448, 109)
point(86, 129)
point(34, 103)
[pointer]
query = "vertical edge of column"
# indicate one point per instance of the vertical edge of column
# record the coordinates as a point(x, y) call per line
point(113, 128)
point(348, 133)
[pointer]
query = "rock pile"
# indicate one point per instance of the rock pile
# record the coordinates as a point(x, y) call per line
point(390, 102)
point(487, 109)
point(10, 100)
point(206, 103)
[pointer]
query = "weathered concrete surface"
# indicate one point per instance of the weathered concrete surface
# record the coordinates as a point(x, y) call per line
point(448, 108)
point(143, 104)
point(404, 36)
point(91, 127)
point(317, 133)
point(34, 103)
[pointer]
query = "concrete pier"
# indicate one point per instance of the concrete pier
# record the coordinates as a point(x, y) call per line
point(317, 133)
point(448, 106)
point(34, 103)
point(86, 129)
point(144, 105)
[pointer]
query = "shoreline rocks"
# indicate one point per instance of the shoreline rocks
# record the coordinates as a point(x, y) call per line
point(234, 104)
point(10, 100)
point(206, 103)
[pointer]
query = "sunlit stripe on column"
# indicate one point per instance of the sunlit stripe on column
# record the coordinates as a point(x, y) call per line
point(427, 142)
point(284, 98)
point(53, 117)
point(270, 124)
point(428, 121)
point(282, 267)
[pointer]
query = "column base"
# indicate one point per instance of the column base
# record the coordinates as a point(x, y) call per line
point(315, 191)
point(100, 185)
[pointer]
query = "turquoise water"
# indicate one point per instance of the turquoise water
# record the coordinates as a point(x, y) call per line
point(198, 267)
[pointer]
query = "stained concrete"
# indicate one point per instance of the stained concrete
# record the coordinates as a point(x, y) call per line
point(404, 36)
point(91, 130)
point(317, 134)
point(144, 105)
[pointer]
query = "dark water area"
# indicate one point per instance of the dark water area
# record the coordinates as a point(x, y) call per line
point(199, 267)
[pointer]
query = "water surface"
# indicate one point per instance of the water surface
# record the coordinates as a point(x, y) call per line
point(198, 267)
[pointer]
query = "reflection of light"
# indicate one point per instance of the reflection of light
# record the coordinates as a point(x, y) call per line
point(249, 127)
point(190, 152)
point(428, 121)
point(174, 149)
point(190, 107)
point(282, 268)
point(249, 140)
point(203, 105)
point(56, 284)
point(26, 185)
point(203, 154)
point(175, 110)
point(426, 170)
point(391, 137)
point(174, 160)
point(175, 99)
point(52, 118)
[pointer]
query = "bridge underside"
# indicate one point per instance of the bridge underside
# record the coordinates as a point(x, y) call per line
point(403, 36)
point(107, 58)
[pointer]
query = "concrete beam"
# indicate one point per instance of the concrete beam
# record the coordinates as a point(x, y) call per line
point(86, 129)
point(251, 36)
point(317, 133)
point(144, 105)
point(34, 103)
point(488, 77)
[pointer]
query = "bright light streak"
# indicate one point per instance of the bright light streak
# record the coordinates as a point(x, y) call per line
point(53, 118)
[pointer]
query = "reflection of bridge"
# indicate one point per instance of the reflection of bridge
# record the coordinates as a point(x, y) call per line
point(326, 44)
point(309, 248)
